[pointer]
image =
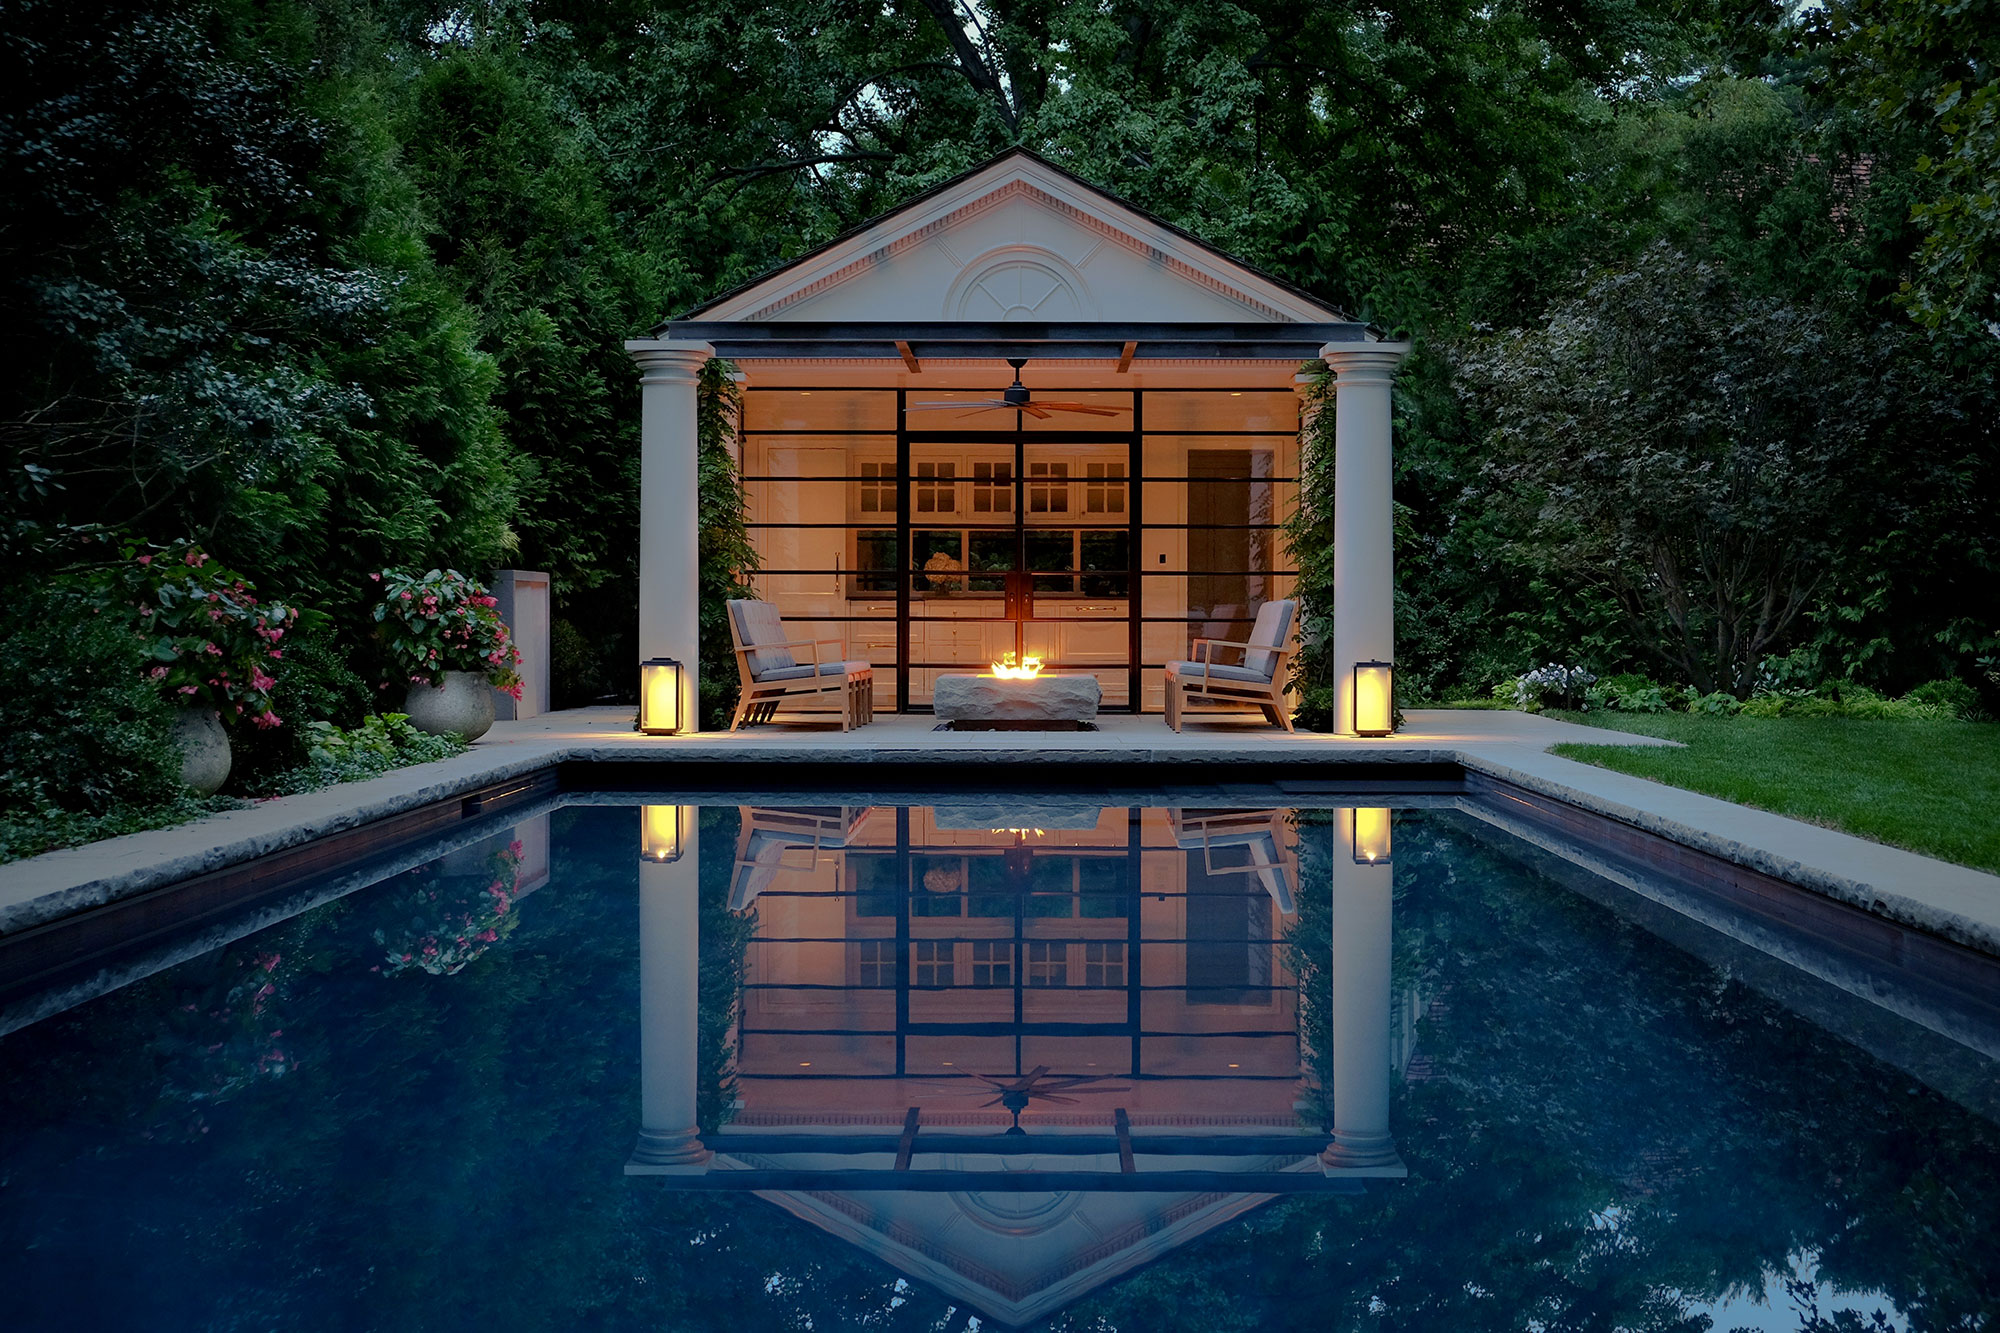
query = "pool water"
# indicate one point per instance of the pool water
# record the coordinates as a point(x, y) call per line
point(991, 1064)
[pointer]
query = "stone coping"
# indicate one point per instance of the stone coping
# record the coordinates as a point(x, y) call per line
point(1954, 902)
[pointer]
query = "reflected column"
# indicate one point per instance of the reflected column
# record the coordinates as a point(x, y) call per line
point(669, 993)
point(1363, 880)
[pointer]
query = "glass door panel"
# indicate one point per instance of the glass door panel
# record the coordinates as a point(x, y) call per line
point(1076, 545)
point(964, 552)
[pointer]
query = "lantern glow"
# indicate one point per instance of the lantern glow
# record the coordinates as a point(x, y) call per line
point(1371, 836)
point(663, 830)
point(660, 697)
point(1374, 699)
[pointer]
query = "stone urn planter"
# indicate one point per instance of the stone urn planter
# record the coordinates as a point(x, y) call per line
point(204, 748)
point(461, 704)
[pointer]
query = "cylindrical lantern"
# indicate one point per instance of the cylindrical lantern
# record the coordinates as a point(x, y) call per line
point(660, 696)
point(664, 830)
point(1371, 836)
point(1374, 699)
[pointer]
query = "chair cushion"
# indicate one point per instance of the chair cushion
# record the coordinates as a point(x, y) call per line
point(759, 623)
point(1219, 671)
point(1273, 627)
point(826, 669)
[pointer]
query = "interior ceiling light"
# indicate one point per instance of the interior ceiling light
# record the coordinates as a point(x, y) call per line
point(1016, 398)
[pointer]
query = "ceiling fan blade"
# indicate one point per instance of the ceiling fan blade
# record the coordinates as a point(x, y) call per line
point(1081, 407)
point(997, 1101)
point(982, 404)
point(1035, 410)
point(1051, 1098)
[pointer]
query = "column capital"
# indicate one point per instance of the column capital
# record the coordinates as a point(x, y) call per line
point(1360, 362)
point(668, 361)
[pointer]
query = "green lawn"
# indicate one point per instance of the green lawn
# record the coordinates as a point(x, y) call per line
point(1933, 787)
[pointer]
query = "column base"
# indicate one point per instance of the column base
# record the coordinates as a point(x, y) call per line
point(1363, 1157)
point(668, 1152)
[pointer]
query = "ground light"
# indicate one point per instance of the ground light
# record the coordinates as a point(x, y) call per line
point(1374, 699)
point(660, 696)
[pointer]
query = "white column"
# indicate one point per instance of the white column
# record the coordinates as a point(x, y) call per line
point(1364, 575)
point(669, 1026)
point(669, 509)
point(1361, 1146)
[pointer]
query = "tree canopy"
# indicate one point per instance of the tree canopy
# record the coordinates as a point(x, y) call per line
point(332, 284)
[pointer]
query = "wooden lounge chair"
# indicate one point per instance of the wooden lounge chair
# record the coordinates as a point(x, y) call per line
point(771, 673)
point(1225, 672)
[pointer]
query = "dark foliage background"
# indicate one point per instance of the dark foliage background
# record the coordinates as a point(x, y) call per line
point(334, 284)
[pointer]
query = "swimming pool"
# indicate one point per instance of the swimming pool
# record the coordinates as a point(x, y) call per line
point(1149, 1061)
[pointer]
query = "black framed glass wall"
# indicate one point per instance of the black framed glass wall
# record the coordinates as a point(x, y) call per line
point(927, 539)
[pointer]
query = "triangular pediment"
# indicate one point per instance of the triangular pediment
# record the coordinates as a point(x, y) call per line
point(1017, 240)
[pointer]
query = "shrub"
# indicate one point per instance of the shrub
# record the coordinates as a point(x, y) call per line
point(1798, 670)
point(380, 743)
point(315, 684)
point(86, 749)
point(1954, 698)
point(443, 621)
point(210, 641)
point(1718, 703)
point(1629, 693)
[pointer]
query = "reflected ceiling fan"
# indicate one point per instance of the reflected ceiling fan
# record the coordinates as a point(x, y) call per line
point(1038, 1085)
point(1016, 398)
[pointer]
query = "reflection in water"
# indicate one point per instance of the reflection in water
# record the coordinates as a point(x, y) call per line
point(1016, 1052)
point(1340, 1071)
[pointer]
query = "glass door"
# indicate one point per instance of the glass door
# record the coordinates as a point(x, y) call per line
point(1021, 545)
point(1076, 559)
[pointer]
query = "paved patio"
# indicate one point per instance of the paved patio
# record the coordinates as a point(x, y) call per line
point(1934, 896)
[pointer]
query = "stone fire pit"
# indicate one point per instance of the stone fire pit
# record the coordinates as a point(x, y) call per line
point(990, 703)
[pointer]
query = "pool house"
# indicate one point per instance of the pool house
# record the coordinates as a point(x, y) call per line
point(1017, 415)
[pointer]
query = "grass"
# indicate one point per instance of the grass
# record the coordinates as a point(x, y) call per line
point(1932, 787)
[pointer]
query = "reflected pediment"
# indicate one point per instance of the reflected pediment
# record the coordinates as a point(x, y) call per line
point(1012, 1049)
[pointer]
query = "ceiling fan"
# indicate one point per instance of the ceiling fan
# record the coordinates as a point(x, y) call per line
point(1016, 398)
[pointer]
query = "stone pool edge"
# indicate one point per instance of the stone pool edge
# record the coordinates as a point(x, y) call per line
point(1936, 897)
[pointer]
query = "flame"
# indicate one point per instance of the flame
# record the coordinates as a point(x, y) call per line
point(1027, 669)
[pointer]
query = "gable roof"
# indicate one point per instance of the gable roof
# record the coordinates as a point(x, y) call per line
point(1075, 206)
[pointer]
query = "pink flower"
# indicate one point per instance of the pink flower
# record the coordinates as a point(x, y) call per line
point(406, 597)
point(214, 613)
point(145, 559)
point(187, 689)
point(211, 650)
point(196, 559)
point(260, 681)
point(267, 719)
point(158, 673)
point(375, 578)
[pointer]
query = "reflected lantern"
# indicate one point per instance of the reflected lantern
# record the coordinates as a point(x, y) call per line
point(663, 831)
point(1371, 836)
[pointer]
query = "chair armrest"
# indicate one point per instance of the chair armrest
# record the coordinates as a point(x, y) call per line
point(1196, 646)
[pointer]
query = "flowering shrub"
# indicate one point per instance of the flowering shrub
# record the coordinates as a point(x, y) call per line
point(447, 921)
point(443, 621)
point(209, 638)
point(1552, 686)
